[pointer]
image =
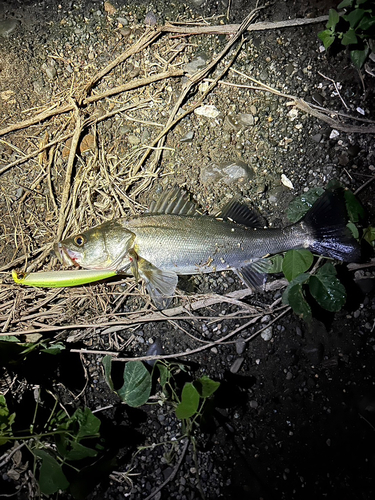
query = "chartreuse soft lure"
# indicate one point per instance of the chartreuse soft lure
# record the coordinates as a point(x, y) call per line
point(60, 279)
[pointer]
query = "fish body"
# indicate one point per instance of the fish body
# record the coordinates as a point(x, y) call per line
point(194, 245)
point(175, 239)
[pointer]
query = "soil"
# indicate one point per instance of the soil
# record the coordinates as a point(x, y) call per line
point(294, 416)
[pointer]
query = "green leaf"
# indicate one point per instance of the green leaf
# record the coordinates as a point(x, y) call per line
point(369, 235)
point(9, 338)
point(302, 204)
point(359, 57)
point(189, 402)
point(137, 384)
point(327, 269)
point(349, 37)
point(345, 3)
point(77, 451)
point(327, 289)
point(89, 424)
point(353, 229)
point(366, 23)
point(107, 365)
point(296, 262)
point(6, 421)
point(327, 37)
point(333, 18)
point(51, 476)
point(206, 387)
point(354, 17)
point(54, 348)
point(355, 210)
point(295, 297)
point(164, 374)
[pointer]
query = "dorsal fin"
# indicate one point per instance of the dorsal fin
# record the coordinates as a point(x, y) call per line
point(176, 202)
point(241, 214)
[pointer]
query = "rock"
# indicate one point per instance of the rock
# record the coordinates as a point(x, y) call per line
point(196, 64)
point(188, 137)
point(267, 334)
point(133, 140)
point(50, 71)
point(236, 365)
point(246, 119)
point(209, 111)
point(150, 19)
point(240, 346)
point(8, 26)
point(316, 138)
point(229, 172)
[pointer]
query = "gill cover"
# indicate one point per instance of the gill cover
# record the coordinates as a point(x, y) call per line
point(103, 247)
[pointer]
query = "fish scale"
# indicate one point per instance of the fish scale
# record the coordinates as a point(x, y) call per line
point(191, 244)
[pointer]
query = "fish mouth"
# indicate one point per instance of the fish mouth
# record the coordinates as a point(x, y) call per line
point(65, 256)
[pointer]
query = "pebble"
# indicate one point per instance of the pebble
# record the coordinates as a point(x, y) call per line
point(253, 404)
point(133, 140)
point(150, 19)
point(50, 70)
point(229, 172)
point(334, 134)
point(196, 64)
point(8, 26)
point(123, 21)
point(317, 138)
point(126, 31)
point(236, 365)
point(246, 119)
point(188, 137)
point(208, 110)
point(240, 346)
point(267, 334)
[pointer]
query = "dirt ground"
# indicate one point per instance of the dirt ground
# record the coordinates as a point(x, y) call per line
point(294, 416)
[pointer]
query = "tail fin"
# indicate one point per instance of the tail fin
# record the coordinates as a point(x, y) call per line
point(326, 221)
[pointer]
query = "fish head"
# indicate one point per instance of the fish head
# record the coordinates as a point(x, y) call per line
point(105, 246)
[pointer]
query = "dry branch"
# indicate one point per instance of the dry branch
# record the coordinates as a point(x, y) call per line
point(229, 29)
point(147, 39)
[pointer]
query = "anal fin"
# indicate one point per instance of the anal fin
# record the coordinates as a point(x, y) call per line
point(254, 275)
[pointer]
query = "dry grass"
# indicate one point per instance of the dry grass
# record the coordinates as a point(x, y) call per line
point(64, 187)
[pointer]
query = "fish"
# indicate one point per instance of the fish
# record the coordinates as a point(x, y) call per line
point(174, 238)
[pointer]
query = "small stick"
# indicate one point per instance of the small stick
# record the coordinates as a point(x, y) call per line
point(173, 474)
point(147, 38)
point(336, 88)
point(68, 174)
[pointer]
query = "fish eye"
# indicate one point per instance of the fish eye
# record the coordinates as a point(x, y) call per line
point(79, 240)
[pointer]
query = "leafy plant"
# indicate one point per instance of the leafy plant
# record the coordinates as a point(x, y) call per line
point(324, 286)
point(65, 442)
point(354, 29)
point(136, 389)
point(6, 421)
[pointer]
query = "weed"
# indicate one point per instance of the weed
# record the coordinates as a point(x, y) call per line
point(353, 30)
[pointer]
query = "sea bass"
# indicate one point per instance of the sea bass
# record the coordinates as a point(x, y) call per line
point(174, 238)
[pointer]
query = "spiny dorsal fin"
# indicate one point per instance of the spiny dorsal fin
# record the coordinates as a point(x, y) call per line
point(176, 202)
point(241, 214)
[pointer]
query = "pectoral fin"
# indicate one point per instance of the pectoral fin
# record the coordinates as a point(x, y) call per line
point(161, 285)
